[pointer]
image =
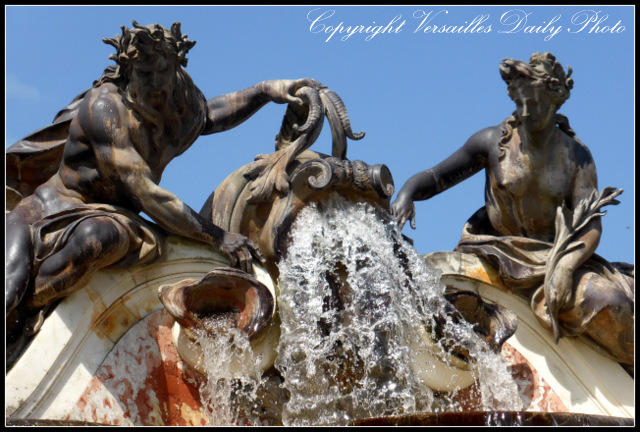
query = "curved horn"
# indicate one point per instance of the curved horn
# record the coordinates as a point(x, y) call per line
point(311, 112)
point(339, 147)
point(342, 114)
point(316, 109)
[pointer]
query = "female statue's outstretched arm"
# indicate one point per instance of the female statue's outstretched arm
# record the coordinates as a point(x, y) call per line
point(468, 160)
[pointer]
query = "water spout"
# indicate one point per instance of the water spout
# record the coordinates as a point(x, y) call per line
point(224, 302)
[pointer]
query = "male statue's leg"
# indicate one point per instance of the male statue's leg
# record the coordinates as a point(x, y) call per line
point(95, 243)
point(18, 256)
point(18, 272)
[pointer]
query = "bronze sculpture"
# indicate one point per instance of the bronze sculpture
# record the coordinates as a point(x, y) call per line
point(540, 225)
point(84, 179)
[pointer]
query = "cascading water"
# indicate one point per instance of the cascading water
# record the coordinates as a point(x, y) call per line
point(229, 393)
point(355, 300)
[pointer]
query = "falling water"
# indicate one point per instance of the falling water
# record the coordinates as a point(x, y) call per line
point(354, 296)
point(229, 392)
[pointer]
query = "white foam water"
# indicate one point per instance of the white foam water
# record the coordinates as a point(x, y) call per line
point(354, 296)
point(355, 300)
point(229, 393)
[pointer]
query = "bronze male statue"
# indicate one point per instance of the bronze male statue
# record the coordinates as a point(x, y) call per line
point(118, 138)
point(540, 225)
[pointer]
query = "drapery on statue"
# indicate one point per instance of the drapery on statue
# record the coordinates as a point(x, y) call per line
point(84, 179)
point(540, 225)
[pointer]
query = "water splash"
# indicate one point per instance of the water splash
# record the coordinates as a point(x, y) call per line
point(229, 393)
point(354, 301)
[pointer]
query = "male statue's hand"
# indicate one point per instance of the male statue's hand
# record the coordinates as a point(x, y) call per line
point(403, 209)
point(283, 91)
point(240, 250)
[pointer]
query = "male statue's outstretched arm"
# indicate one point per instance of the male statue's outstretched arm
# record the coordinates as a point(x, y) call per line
point(230, 110)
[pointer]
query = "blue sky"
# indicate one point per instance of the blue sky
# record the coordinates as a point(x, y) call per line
point(417, 94)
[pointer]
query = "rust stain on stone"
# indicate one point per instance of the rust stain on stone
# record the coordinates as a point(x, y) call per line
point(479, 274)
point(167, 393)
point(535, 391)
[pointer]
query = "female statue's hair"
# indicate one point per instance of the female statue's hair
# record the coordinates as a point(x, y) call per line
point(542, 71)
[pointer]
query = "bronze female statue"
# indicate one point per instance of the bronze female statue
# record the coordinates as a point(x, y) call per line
point(540, 225)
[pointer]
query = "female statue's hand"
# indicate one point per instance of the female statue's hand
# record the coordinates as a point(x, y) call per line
point(558, 290)
point(403, 209)
point(561, 286)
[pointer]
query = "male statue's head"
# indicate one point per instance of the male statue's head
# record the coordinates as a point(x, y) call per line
point(149, 59)
point(149, 70)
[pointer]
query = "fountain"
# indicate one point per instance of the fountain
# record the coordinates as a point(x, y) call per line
point(365, 312)
point(342, 323)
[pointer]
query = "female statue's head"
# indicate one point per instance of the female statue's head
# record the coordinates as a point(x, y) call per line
point(543, 79)
point(542, 72)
